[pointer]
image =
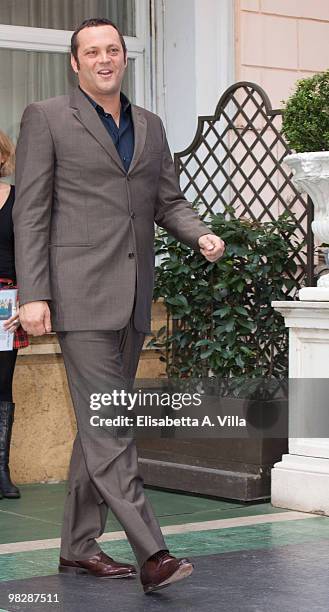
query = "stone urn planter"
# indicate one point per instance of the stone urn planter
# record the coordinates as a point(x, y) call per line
point(300, 480)
point(311, 175)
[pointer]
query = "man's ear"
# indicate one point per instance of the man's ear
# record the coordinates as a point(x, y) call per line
point(74, 64)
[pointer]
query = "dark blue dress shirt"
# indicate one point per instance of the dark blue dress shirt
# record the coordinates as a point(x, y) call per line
point(122, 136)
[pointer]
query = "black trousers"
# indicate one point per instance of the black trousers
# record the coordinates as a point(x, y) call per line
point(7, 367)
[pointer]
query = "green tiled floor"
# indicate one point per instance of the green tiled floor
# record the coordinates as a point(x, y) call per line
point(37, 514)
point(15, 566)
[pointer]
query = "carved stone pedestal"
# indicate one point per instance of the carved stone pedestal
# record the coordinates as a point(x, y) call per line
point(300, 481)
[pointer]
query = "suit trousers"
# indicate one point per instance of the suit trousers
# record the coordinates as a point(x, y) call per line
point(103, 471)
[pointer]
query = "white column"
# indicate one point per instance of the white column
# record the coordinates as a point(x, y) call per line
point(300, 481)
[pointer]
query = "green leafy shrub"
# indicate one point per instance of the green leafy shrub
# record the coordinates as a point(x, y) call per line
point(223, 321)
point(306, 115)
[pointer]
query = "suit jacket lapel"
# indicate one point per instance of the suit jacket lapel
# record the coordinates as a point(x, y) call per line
point(140, 128)
point(87, 115)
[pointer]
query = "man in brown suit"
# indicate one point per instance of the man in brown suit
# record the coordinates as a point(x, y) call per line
point(93, 175)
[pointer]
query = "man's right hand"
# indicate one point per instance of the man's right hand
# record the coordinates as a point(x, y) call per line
point(35, 318)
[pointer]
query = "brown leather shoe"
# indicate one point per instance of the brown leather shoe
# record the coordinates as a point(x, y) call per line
point(162, 569)
point(99, 565)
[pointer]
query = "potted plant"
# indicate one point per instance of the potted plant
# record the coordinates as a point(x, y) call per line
point(306, 128)
point(224, 331)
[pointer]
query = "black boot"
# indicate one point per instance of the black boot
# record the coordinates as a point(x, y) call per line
point(7, 488)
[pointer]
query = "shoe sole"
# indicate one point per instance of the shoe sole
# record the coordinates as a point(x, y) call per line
point(182, 572)
point(66, 569)
point(10, 496)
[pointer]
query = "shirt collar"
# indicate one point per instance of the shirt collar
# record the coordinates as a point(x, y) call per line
point(125, 102)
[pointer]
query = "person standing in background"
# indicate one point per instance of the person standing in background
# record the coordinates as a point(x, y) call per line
point(7, 280)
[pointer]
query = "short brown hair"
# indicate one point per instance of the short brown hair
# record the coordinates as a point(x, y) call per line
point(7, 150)
point(92, 23)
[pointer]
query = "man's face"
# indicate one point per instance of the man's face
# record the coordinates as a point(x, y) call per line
point(101, 64)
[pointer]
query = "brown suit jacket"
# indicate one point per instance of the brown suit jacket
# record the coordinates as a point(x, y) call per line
point(84, 227)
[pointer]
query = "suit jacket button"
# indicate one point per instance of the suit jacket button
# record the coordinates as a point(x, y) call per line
point(131, 255)
point(133, 215)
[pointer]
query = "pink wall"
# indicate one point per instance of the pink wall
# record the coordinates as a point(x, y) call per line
point(280, 41)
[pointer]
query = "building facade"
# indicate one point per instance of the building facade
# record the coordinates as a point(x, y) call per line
point(182, 55)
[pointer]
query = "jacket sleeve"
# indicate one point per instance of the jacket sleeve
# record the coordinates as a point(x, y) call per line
point(173, 212)
point(35, 160)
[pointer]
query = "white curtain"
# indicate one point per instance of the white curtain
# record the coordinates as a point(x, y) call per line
point(67, 14)
point(27, 76)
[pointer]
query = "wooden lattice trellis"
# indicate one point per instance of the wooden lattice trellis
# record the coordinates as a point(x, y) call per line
point(236, 160)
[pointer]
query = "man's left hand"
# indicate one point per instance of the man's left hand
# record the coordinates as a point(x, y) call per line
point(212, 247)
